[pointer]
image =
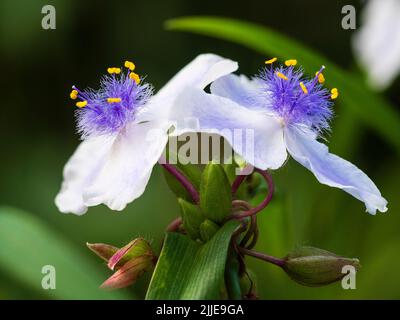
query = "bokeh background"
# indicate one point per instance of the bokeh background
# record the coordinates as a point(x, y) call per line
point(38, 136)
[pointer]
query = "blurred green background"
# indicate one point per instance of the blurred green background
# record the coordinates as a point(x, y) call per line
point(38, 136)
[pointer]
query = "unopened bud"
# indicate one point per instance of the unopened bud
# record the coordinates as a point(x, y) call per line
point(215, 193)
point(316, 267)
point(192, 218)
point(208, 229)
point(133, 249)
point(129, 272)
point(104, 251)
point(131, 261)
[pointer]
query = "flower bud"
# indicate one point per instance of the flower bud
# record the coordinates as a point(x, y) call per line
point(133, 249)
point(129, 272)
point(215, 193)
point(131, 261)
point(104, 251)
point(192, 218)
point(316, 267)
point(208, 229)
point(190, 171)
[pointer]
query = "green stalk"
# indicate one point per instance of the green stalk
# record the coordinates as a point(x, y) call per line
point(232, 280)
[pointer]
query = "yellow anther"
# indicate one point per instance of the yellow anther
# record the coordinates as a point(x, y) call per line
point(81, 104)
point(73, 94)
point(290, 62)
point(114, 70)
point(334, 93)
point(134, 76)
point(113, 100)
point(303, 87)
point(270, 61)
point(130, 65)
point(321, 78)
point(282, 76)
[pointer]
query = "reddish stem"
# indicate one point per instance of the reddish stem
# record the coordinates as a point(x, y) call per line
point(237, 182)
point(276, 261)
point(183, 181)
point(264, 203)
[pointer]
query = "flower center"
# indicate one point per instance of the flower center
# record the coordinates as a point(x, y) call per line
point(295, 98)
point(109, 109)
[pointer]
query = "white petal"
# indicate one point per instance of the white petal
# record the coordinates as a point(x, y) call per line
point(377, 43)
point(332, 170)
point(80, 171)
point(240, 89)
point(199, 73)
point(128, 166)
point(254, 135)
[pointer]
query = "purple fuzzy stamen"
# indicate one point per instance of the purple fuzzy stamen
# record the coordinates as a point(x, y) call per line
point(287, 98)
point(100, 117)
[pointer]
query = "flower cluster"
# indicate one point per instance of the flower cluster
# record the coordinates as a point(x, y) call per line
point(286, 110)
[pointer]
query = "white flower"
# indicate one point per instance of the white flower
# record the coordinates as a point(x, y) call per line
point(124, 131)
point(377, 43)
point(287, 114)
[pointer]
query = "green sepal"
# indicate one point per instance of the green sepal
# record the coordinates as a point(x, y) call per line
point(191, 171)
point(192, 218)
point(215, 193)
point(208, 229)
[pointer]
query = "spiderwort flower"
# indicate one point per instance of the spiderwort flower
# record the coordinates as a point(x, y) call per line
point(287, 113)
point(124, 131)
point(377, 42)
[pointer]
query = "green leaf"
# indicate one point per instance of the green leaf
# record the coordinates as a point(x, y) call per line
point(215, 193)
point(192, 218)
point(27, 245)
point(355, 95)
point(189, 270)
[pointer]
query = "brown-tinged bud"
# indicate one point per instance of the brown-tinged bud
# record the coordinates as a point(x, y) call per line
point(130, 262)
point(129, 272)
point(133, 249)
point(104, 251)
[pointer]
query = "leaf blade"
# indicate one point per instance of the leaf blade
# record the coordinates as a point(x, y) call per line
point(188, 270)
point(28, 245)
